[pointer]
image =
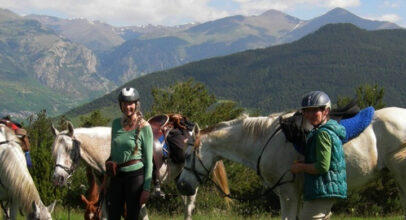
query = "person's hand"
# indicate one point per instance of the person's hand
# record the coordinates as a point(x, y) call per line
point(296, 167)
point(144, 197)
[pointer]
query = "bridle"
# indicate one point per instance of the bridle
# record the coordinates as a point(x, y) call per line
point(75, 155)
point(198, 174)
point(192, 169)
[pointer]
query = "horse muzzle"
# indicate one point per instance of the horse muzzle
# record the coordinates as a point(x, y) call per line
point(185, 188)
point(59, 180)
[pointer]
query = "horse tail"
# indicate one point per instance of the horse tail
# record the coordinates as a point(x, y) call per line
point(220, 178)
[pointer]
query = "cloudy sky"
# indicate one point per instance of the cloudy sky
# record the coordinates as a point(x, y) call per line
point(174, 12)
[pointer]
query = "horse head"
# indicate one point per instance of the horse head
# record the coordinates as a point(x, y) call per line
point(66, 154)
point(41, 212)
point(199, 161)
point(92, 211)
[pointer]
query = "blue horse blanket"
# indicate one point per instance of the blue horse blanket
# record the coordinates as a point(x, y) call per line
point(355, 125)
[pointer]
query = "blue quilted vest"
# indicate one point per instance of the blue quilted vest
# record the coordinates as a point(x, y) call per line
point(332, 184)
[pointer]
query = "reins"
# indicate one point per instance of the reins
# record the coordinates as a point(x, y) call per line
point(4, 142)
point(264, 147)
point(266, 192)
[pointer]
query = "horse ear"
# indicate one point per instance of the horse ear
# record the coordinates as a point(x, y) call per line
point(55, 131)
point(196, 130)
point(51, 207)
point(84, 199)
point(70, 129)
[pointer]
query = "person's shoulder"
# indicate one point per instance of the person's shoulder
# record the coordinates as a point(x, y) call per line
point(116, 122)
point(144, 124)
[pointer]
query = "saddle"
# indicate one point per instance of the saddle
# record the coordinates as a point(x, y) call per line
point(350, 116)
point(22, 134)
point(164, 124)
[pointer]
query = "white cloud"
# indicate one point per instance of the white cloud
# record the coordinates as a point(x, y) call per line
point(257, 6)
point(342, 3)
point(167, 12)
point(390, 17)
point(391, 4)
point(123, 11)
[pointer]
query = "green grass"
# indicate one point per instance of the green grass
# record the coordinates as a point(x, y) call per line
point(77, 214)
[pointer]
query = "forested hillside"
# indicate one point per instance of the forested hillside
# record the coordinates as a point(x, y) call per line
point(337, 58)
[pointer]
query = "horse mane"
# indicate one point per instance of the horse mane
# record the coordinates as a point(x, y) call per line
point(253, 126)
point(14, 174)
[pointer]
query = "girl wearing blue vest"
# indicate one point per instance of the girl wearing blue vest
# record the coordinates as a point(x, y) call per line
point(324, 165)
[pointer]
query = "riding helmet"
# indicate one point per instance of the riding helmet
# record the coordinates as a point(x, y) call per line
point(316, 99)
point(128, 94)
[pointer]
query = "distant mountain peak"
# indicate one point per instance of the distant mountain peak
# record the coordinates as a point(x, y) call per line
point(272, 12)
point(339, 11)
point(6, 15)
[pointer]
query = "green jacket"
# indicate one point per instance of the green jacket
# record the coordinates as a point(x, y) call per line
point(324, 149)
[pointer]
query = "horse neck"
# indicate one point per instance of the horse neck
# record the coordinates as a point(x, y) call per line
point(93, 192)
point(240, 142)
point(16, 178)
point(94, 146)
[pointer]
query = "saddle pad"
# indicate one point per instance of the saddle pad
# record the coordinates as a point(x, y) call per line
point(355, 125)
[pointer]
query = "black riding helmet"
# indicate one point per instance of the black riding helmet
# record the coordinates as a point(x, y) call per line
point(316, 99)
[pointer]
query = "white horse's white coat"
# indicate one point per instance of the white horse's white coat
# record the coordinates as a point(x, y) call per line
point(95, 150)
point(382, 144)
point(17, 186)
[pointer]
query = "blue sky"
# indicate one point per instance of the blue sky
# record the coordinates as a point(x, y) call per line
point(174, 12)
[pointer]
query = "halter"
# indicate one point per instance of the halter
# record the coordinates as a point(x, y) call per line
point(75, 155)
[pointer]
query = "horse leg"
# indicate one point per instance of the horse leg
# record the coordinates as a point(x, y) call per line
point(143, 213)
point(6, 211)
point(104, 210)
point(13, 210)
point(399, 174)
point(189, 202)
point(289, 198)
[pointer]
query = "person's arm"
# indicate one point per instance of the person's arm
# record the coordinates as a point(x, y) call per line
point(323, 152)
point(323, 157)
point(147, 153)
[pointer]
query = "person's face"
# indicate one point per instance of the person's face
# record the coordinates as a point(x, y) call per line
point(315, 116)
point(128, 108)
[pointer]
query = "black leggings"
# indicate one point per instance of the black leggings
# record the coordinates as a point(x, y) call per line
point(125, 188)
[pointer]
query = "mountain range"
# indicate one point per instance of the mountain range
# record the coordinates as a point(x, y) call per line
point(337, 58)
point(53, 63)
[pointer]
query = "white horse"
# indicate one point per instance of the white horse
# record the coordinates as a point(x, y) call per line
point(381, 145)
point(93, 146)
point(17, 187)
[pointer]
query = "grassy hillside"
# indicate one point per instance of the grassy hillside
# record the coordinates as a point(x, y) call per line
point(337, 59)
